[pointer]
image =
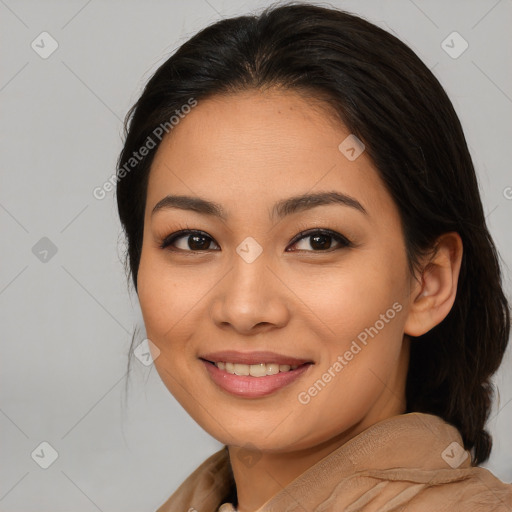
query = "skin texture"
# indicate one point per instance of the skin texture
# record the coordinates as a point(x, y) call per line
point(245, 152)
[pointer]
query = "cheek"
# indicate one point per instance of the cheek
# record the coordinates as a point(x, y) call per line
point(164, 304)
point(160, 306)
point(347, 302)
point(152, 299)
point(165, 295)
point(173, 302)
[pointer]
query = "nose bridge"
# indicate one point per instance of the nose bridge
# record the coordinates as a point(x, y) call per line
point(249, 287)
point(250, 278)
point(251, 293)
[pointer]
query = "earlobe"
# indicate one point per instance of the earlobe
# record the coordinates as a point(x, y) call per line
point(434, 293)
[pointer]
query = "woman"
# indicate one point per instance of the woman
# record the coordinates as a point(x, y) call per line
point(308, 245)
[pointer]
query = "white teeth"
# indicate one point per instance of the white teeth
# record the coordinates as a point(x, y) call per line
point(255, 370)
point(272, 369)
point(242, 369)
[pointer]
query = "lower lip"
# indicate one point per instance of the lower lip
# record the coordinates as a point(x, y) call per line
point(253, 387)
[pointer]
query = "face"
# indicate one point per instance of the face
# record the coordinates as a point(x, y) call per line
point(268, 283)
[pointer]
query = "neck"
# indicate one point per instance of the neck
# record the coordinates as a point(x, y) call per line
point(259, 476)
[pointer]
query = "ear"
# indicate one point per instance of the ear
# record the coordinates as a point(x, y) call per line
point(434, 291)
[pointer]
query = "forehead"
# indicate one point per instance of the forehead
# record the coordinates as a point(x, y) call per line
point(254, 148)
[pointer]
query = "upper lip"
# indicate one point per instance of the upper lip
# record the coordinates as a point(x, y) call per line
point(232, 356)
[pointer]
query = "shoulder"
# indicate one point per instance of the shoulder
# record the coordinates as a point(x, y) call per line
point(473, 489)
point(482, 490)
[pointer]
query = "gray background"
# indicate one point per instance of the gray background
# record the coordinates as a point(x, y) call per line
point(67, 318)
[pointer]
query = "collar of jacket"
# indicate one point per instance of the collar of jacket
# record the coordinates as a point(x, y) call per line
point(412, 456)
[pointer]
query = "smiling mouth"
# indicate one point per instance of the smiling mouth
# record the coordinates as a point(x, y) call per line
point(254, 370)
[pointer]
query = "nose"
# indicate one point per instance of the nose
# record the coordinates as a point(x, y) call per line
point(251, 298)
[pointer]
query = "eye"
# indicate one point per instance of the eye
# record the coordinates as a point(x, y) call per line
point(321, 240)
point(188, 240)
point(191, 240)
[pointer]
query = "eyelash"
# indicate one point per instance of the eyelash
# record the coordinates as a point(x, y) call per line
point(342, 240)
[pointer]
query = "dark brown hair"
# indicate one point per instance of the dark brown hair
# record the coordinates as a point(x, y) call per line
point(386, 96)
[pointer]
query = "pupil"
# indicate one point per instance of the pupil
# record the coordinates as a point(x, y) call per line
point(320, 245)
point(197, 246)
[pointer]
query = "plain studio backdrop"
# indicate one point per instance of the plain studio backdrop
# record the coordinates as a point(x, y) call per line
point(69, 72)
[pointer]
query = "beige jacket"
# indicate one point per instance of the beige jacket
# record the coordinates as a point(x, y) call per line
point(408, 463)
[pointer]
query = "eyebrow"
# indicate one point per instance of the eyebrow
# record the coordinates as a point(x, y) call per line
point(281, 209)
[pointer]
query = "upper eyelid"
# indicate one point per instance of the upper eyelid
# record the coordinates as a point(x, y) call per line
point(311, 231)
point(168, 240)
